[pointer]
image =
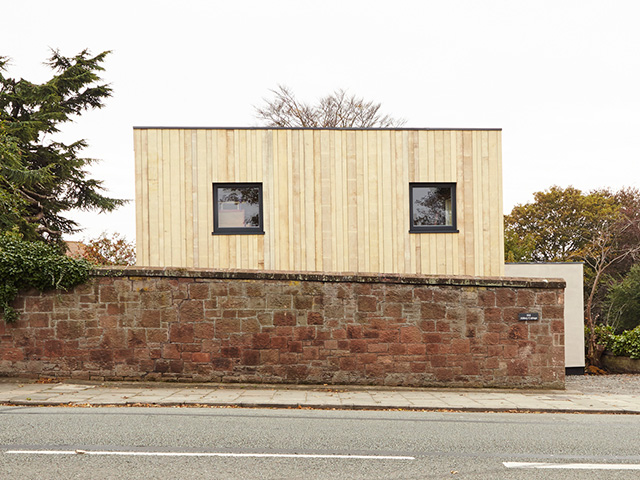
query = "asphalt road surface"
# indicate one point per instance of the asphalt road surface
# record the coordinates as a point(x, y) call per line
point(185, 443)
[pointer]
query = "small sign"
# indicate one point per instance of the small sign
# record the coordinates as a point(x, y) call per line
point(528, 317)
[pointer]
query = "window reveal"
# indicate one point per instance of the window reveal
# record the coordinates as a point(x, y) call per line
point(433, 207)
point(237, 208)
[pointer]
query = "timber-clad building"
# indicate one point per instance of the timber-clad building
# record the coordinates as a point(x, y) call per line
point(408, 201)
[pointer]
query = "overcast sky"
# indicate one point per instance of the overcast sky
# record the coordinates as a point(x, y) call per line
point(560, 77)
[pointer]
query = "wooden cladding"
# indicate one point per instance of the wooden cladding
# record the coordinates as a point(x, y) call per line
point(334, 200)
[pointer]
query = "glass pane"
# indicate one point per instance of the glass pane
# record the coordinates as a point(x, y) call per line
point(432, 206)
point(238, 207)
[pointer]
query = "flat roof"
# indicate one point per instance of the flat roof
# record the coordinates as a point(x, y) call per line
point(311, 128)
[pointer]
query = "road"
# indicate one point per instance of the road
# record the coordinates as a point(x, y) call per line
point(189, 443)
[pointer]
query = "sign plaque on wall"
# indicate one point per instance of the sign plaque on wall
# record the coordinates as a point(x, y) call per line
point(528, 317)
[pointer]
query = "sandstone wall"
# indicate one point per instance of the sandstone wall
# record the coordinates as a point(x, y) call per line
point(267, 327)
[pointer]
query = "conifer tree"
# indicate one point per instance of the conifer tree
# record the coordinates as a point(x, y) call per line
point(41, 179)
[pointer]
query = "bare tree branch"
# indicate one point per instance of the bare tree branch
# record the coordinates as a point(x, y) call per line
point(337, 110)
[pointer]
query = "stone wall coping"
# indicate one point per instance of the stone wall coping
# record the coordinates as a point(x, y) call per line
point(463, 281)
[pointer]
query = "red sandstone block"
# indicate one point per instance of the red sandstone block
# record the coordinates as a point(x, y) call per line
point(269, 357)
point(176, 366)
point(141, 354)
point(553, 311)
point(389, 336)
point(393, 310)
point(424, 294)
point(115, 309)
point(101, 356)
point(198, 291)
point(136, 337)
point(366, 358)
point(443, 374)
point(339, 333)
point(323, 335)
point(304, 333)
point(486, 298)
point(492, 363)
point(170, 351)
point(357, 346)
point(432, 348)
point(509, 351)
point(546, 298)
point(203, 330)
point(191, 311)
point(310, 353)
point(432, 338)
point(250, 357)
point(557, 326)
point(294, 347)
point(284, 319)
point(181, 333)
point(70, 329)
point(491, 338)
point(331, 344)
point(432, 311)
point(410, 334)
point(114, 339)
point(150, 319)
point(416, 349)
point(211, 304)
point(348, 364)
point(12, 354)
point(397, 348)
point(525, 298)
point(288, 358)
point(362, 289)
point(222, 364)
point(505, 297)
point(517, 368)
point(279, 342)
point(460, 345)
point(367, 304)
point(443, 326)
point(377, 347)
point(418, 367)
point(354, 331)
point(161, 366)
point(519, 331)
point(230, 352)
point(446, 296)
point(261, 340)
point(494, 350)
point(35, 320)
point(470, 368)
point(157, 335)
point(315, 318)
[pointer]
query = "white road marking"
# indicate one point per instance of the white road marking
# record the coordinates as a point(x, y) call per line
point(205, 454)
point(575, 466)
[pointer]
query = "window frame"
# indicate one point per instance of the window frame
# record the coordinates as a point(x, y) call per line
point(217, 230)
point(453, 228)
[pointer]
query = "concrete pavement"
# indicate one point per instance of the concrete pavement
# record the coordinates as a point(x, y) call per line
point(25, 392)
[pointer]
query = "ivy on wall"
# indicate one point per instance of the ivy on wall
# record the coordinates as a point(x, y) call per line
point(25, 264)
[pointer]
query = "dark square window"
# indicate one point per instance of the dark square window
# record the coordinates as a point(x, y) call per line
point(433, 207)
point(237, 209)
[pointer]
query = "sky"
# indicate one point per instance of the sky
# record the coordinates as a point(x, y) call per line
point(560, 77)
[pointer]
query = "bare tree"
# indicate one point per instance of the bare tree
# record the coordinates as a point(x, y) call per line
point(337, 110)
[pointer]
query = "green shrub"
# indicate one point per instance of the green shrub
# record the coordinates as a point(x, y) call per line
point(25, 264)
point(626, 344)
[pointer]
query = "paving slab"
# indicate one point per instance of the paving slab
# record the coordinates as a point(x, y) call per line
point(24, 392)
